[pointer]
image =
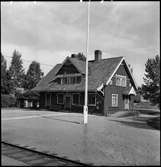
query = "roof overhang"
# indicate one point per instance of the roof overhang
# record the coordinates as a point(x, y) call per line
point(108, 81)
point(131, 74)
point(130, 91)
point(100, 89)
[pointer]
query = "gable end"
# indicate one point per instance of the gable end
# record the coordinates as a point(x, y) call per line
point(122, 61)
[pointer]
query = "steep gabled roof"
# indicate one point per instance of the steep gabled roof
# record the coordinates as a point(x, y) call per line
point(99, 73)
point(43, 83)
point(102, 70)
point(79, 64)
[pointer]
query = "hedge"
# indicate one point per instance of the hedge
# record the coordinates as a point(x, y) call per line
point(8, 101)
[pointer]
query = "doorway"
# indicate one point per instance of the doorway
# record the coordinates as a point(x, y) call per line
point(126, 103)
point(67, 102)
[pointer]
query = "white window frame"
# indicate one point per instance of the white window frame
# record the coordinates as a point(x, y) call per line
point(73, 98)
point(61, 81)
point(95, 100)
point(57, 98)
point(120, 83)
point(123, 83)
point(115, 97)
point(68, 80)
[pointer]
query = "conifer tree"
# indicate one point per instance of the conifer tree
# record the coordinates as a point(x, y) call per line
point(16, 71)
point(3, 75)
point(33, 76)
point(151, 88)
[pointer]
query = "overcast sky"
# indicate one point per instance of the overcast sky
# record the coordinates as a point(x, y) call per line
point(49, 31)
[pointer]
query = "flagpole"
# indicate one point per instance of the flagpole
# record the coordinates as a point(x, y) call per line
point(86, 79)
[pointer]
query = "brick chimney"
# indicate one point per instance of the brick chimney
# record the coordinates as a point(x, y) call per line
point(98, 55)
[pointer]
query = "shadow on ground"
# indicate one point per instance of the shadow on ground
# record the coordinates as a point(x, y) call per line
point(137, 124)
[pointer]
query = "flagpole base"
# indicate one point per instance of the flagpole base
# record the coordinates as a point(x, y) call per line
point(85, 113)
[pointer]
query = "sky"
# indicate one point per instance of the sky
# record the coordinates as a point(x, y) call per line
point(48, 32)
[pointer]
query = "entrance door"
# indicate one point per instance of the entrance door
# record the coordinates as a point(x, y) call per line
point(126, 103)
point(68, 102)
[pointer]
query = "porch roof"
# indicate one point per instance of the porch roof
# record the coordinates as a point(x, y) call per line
point(129, 91)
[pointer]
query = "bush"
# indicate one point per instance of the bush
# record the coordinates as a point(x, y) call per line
point(137, 99)
point(8, 101)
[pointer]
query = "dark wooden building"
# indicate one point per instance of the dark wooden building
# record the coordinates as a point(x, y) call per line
point(111, 86)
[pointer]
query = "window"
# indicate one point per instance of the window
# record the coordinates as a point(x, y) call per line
point(123, 81)
point(92, 99)
point(76, 99)
point(59, 81)
point(126, 100)
point(114, 100)
point(73, 80)
point(120, 80)
point(47, 99)
point(81, 99)
point(68, 80)
point(65, 80)
point(60, 99)
point(78, 79)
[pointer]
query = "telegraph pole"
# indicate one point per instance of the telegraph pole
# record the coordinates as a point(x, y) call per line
point(86, 80)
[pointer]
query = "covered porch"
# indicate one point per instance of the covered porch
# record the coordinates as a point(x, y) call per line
point(128, 99)
point(71, 101)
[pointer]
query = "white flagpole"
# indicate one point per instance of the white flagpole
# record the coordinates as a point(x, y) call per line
point(86, 80)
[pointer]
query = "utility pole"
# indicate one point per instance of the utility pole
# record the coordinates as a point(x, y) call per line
point(86, 80)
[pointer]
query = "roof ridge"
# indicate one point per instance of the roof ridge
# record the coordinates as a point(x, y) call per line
point(107, 58)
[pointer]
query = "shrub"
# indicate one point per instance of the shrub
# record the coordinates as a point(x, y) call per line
point(8, 101)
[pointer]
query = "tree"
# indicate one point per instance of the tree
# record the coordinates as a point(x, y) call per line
point(33, 76)
point(151, 88)
point(5, 79)
point(3, 75)
point(79, 56)
point(16, 71)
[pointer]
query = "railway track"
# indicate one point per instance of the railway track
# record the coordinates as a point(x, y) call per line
point(35, 158)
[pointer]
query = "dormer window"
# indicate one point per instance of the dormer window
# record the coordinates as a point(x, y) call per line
point(66, 80)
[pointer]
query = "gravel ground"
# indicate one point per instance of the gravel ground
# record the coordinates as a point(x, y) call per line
point(104, 141)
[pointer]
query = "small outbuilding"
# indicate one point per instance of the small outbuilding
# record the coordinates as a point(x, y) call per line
point(29, 99)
